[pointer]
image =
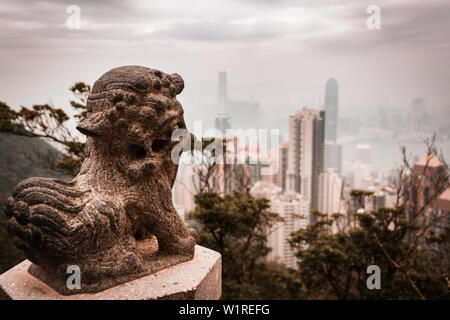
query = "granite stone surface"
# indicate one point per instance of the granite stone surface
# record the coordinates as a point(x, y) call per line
point(199, 279)
point(115, 220)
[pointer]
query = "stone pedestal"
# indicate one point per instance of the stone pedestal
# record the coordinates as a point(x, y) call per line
point(199, 279)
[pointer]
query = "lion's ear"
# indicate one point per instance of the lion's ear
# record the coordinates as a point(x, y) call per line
point(94, 125)
point(178, 82)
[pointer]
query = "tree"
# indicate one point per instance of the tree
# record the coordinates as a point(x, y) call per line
point(235, 225)
point(50, 123)
point(216, 168)
point(399, 240)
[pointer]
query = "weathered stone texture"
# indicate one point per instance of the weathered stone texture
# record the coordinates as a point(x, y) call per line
point(199, 278)
point(115, 219)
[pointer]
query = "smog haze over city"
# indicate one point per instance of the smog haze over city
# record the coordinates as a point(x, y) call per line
point(276, 53)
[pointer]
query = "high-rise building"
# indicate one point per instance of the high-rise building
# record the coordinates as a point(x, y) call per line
point(333, 156)
point(330, 186)
point(240, 168)
point(184, 189)
point(306, 153)
point(331, 199)
point(278, 165)
point(427, 181)
point(223, 122)
point(294, 209)
point(331, 109)
point(283, 162)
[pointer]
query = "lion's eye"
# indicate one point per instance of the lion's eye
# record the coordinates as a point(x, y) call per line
point(159, 144)
point(148, 113)
point(159, 107)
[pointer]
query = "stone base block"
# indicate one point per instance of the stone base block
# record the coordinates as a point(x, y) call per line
point(199, 279)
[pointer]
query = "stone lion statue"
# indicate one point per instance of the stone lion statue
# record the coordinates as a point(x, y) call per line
point(115, 220)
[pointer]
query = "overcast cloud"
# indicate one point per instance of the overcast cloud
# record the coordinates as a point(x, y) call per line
point(279, 51)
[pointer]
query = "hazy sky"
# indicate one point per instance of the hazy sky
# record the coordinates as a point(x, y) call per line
point(280, 51)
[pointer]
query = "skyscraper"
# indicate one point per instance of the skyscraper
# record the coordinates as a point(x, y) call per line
point(283, 161)
point(290, 206)
point(330, 192)
point(278, 166)
point(306, 153)
point(223, 120)
point(331, 109)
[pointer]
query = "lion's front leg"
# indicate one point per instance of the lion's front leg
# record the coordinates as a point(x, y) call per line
point(173, 236)
point(161, 221)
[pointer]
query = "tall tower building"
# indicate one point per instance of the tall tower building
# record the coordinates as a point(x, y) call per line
point(331, 109)
point(278, 166)
point(330, 192)
point(283, 161)
point(223, 120)
point(306, 153)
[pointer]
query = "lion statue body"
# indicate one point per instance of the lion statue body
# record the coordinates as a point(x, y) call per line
point(115, 220)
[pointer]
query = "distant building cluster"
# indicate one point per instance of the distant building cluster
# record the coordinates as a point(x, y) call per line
point(234, 113)
point(308, 171)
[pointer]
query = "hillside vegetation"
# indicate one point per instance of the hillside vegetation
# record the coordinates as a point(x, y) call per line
point(20, 158)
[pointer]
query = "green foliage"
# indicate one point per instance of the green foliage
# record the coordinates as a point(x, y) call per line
point(333, 266)
point(360, 193)
point(48, 122)
point(276, 282)
point(7, 118)
point(22, 157)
